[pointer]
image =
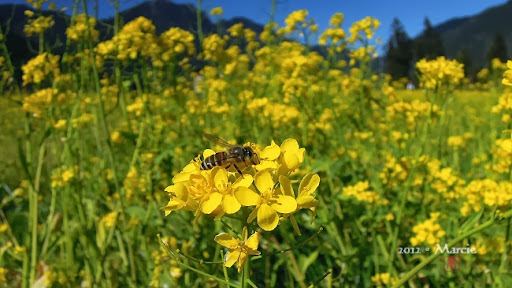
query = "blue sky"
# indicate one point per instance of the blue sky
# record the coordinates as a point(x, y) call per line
point(410, 12)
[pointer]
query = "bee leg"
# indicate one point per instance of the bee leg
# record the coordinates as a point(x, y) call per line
point(238, 169)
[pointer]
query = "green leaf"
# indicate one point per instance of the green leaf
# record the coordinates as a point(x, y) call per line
point(136, 211)
point(130, 136)
point(470, 223)
point(46, 134)
point(161, 157)
point(23, 160)
point(307, 261)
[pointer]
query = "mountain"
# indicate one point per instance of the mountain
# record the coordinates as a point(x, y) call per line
point(163, 13)
point(476, 33)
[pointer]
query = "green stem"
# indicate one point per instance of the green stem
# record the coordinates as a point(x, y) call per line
point(192, 268)
point(34, 195)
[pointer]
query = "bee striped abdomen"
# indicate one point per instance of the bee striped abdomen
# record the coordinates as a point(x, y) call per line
point(217, 159)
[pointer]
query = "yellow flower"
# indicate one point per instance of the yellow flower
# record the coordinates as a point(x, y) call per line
point(439, 72)
point(305, 199)
point(238, 249)
point(176, 273)
point(507, 76)
point(295, 18)
point(361, 193)
point(3, 273)
point(293, 156)
point(336, 19)
point(116, 137)
point(226, 190)
point(383, 279)
point(428, 231)
point(217, 11)
point(109, 219)
point(60, 124)
point(38, 25)
point(39, 67)
point(79, 31)
point(37, 102)
point(19, 250)
point(267, 203)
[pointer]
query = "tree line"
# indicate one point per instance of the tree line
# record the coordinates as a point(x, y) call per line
point(402, 52)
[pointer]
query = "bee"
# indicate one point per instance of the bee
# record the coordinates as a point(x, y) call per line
point(235, 154)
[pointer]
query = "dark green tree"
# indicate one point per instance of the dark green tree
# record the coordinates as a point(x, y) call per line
point(464, 58)
point(430, 44)
point(398, 52)
point(498, 49)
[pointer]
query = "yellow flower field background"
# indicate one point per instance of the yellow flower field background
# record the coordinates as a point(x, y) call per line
point(102, 149)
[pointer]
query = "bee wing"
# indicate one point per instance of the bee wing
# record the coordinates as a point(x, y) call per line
point(218, 140)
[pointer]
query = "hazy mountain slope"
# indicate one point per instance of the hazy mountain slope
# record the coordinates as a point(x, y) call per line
point(477, 33)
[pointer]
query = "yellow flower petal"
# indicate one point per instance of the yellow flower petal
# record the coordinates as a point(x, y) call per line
point(263, 181)
point(212, 203)
point(179, 190)
point(267, 217)
point(309, 184)
point(253, 241)
point(247, 197)
point(226, 240)
point(307, 201)
point(291, 161)
point(231, 257)
point(246, 181)
point(290, 145)
point(241, 261)
point(220, 179)
point(253, 214)
point(230, 205)
point(271, 152)
point(266, 164)
point(207, 153)
point(284, 204)
point(174, 204)
point(286, 186)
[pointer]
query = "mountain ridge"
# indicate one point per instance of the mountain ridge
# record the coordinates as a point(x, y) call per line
point(474, 33)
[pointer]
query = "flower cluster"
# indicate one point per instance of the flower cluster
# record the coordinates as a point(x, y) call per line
point(79, 31)
point(507, 76)
point(37, 25)
point(503, 154)
point(37, 68)
point(217, 11)
point(238, 249)
point(504, 106)
point(361, 192)
point(439, 72)
point(37, 102)
point(266, 188)
point(412, 113)
point(428, 231)
point(382, 279)
point(488, 191)
point(264, 192)
point(136, 38)
point(175, 42)
point(62, 176)
point(297, 22)
point(367, 25)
